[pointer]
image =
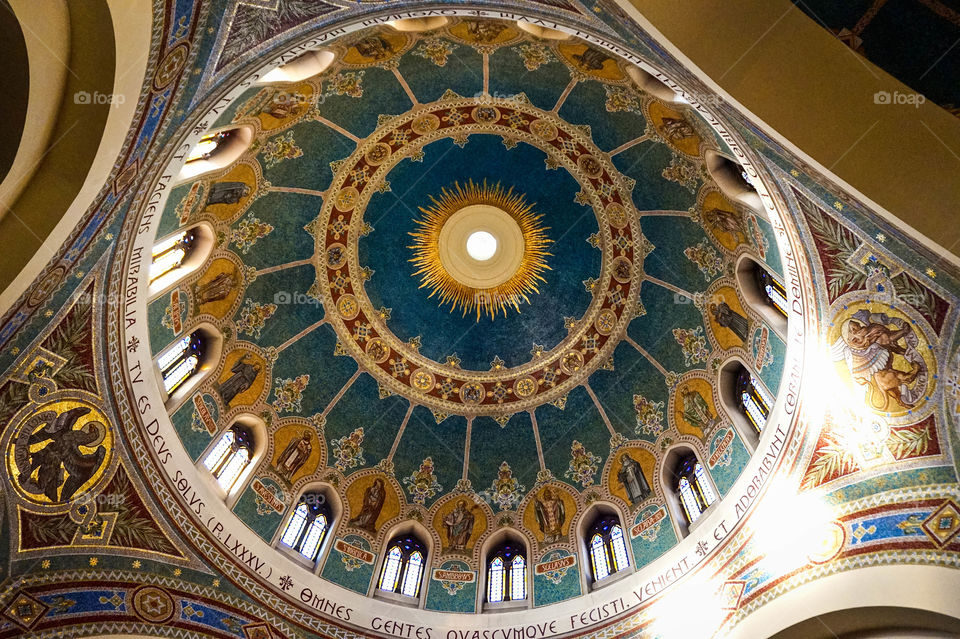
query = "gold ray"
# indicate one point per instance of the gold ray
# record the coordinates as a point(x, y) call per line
point(490, 301)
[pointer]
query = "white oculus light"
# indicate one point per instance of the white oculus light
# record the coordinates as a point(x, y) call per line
point(481, 245)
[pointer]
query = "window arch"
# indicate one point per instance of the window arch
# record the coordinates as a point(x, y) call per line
point(692, 487)
point(306, 65)
point(734, 181)
point(773, 291)
point(176, 256)
point(507, 573)
point(745, 399)
point(649, 83)
point(307, 528)
point(181, 361)
point(207, 146)
point(215, 150)
point(419, 24)
point(183, 365)
point(754, 400)
point(403, 567)
point(606, 547)
point(764, 293)
point(171, 253)
point(232, 455)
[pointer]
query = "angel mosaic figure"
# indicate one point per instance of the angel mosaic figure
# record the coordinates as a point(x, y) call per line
point(868, 345)
point(60, 463)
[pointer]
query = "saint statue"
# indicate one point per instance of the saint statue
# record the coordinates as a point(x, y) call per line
point(227, 192)
point(632, 479)
point(242, 376)
point(62, 454)
point(459, 525)
point(294, 456)
point(216, 289)
point(729, 318)
point(696, 411)
point(550, 515)
point(373, 498)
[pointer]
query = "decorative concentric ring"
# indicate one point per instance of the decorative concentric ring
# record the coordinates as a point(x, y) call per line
point(446, 388)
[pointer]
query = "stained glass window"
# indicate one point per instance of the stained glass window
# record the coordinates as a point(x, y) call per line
point(506, 574)
point(295, 526)
point(693, 487)
point(231, 470)
point(207, 145)
point(691, 506)
point(755, 400)
point(219, 453)
point(608, 548)
point(310, 547)
point(704, 485)
point(496, 580)
point(773, 290)
point(518, 578)
point(412, 574)
point(391, 569)
point(180, 361)
point(619, 547)
point(170, 254)
point(403, 567)
point(308, 526)
point(230, 456)
point(598, 557)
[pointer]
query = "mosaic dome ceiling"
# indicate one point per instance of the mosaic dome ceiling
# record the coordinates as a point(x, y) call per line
point(331, 279)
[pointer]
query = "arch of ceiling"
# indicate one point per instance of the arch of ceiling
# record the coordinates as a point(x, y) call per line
point(87, 71)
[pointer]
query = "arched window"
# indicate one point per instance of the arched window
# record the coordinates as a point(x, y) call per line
point(308, 526)
point(607, 548)
point(773, 291)
point(755, 401)
point(171, 253)
point(230, 457)
point(693, 487)
point(763, 292)
point(207, 146)
point(305, 65)
point(403, 567)
point(733, 181)
point(507, 574)
point(181, 361)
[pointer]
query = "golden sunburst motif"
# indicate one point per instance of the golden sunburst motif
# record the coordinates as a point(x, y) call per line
point(496, 299)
